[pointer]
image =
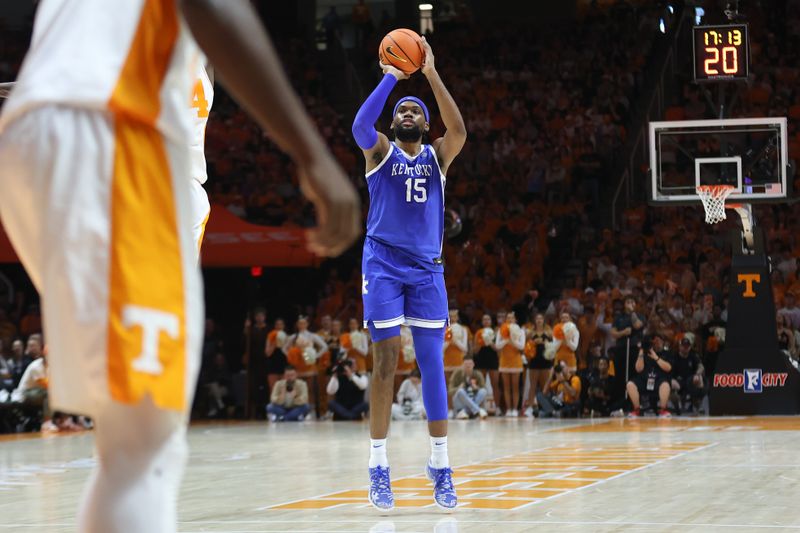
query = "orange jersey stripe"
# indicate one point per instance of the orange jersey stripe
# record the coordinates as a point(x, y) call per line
point(137, 92)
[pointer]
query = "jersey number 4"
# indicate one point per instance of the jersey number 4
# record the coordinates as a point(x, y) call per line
point(199, 101)
point(420, 192)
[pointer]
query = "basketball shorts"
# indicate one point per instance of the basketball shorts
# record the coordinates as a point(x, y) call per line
point(397, 290)
point(98, 211)
point(201, 209)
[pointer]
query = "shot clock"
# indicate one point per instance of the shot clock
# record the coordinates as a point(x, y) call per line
point(721, 52)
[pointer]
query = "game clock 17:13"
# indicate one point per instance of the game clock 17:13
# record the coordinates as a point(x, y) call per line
point(721, 52)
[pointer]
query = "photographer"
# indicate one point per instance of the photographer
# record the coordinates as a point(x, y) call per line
point(563, 394)
point(289, 399)
point(347, 387)
point(653, 368)
point(468, 391)
point(687, 376)
point(600, 393)
point(409, 399)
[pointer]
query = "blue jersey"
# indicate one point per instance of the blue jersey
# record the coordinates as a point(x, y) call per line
point(406, 209)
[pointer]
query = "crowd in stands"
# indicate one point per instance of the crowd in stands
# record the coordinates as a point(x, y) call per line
point(546, 111)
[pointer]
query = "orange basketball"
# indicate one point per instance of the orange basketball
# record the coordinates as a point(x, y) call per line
point(402, 48)
point(558, 332)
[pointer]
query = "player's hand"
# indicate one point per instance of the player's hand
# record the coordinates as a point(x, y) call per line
point(338, 206)
point(427, 62)
point(394, 71)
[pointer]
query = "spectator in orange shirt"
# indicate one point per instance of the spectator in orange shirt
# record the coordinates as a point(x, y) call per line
point(563, 394)
point(32, 321)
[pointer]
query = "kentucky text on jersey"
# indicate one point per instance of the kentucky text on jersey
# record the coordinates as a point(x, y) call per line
point(401, 169)
point(406, 210)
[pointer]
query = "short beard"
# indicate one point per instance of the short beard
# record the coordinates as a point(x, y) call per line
point(407, 135)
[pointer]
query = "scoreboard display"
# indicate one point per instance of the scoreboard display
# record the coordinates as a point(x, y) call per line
point(721, 53)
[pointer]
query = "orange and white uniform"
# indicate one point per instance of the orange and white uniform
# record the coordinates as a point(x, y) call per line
point(94, 195)
point(201, 101)
point(510, 343)
point(567, 337)
point(356, 345)
point(302, 351)
point(456, 344)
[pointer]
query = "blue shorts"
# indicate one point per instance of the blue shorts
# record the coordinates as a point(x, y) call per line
point(399, 290)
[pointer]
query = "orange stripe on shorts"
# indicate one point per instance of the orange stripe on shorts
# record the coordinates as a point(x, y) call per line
point(147, 322)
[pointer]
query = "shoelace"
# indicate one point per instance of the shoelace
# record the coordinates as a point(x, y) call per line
point(380, 479)
point(444, 479)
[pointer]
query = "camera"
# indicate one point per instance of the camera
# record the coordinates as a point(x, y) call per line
point(559, 368)
point(340, 364)
point(646, 345)
point(289, 386)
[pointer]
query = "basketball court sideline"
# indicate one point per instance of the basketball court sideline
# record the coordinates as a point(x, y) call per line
point(683, 474)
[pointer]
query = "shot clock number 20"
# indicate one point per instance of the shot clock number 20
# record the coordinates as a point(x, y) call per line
point(721, 52)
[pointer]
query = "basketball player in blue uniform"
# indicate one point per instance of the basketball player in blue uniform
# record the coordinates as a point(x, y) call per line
point(402, 270)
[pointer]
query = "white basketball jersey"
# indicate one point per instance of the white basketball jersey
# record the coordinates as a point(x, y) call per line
point(202, 99)
point(128, 57)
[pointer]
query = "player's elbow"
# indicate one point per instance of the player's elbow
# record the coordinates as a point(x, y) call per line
point(365, 135)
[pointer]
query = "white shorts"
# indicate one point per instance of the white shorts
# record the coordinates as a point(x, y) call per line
point(98, 211)
point(201, 209)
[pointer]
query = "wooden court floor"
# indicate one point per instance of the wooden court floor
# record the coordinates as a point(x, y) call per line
point(693, 474)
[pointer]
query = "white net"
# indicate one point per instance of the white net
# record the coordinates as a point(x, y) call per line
point(713, 198)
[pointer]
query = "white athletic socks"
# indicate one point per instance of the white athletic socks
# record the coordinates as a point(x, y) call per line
point(377, 453)
point(378, 457)
point(439, 457)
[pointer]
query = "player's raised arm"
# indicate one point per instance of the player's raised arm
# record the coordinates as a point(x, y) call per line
point(231, 35)
point(374, 144)
point(450, 144)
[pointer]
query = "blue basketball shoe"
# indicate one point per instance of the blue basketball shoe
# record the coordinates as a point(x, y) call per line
point(380, 489)
point(444, 493)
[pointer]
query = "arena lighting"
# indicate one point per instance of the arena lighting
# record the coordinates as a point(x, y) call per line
point(256, 271)
point(661, 26)
point(426, 7)
point(670, 9)
point(699, 12)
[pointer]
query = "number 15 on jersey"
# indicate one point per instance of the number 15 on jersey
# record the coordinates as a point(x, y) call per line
point(420, 193)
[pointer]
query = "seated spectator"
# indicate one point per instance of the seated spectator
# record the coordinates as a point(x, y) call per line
point(653, 369)
point(18, 361)
point(289, 400)
point(687, 377)
point(468, 391)
point(6, 377)
point(347, 387)
point(563, 394)
point(217, 384)
point(32, 389)
point(599, 396)
point(409, 399)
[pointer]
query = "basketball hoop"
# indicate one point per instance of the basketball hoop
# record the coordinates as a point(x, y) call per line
point(713, 198)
